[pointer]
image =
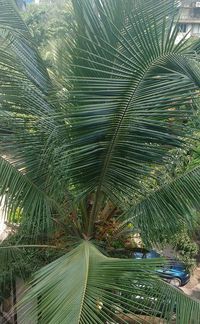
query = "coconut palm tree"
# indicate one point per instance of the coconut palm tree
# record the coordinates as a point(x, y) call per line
point(78, 143)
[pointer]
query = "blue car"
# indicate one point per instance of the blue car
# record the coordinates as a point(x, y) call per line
point(175, 273)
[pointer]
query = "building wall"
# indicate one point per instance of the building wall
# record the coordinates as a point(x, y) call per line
point(189, 19)
point(44, 1)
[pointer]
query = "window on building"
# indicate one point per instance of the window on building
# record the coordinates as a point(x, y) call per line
point(196, 29)
point(183, 28)
point(196, 12)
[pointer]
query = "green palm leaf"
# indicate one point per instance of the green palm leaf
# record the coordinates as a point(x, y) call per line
point(102, 290)
point(133, 89)
point(14, 30)
point(20, 192)
point(29, 137)
point(168, 208)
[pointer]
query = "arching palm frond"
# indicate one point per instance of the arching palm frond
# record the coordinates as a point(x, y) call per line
point(104, 290)
point(167, 208)
point(21, 193)
point(32, 127)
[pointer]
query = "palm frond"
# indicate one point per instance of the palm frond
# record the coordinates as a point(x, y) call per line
point(168, 208)
point(103, 289)
point(130, 81)
point(14, 30)
point(26, 203)
point(24, 197)
point(32, 129)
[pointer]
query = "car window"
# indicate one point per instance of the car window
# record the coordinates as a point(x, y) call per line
point(178, 266)
point(137, 255)
point(152, 254)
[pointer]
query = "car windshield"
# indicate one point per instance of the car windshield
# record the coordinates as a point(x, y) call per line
point(138, 255)
point(152, 254)
point(177, 266)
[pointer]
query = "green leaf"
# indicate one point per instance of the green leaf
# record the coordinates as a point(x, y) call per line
point(129, 80)
point(31, 128)
point(84, 286)
point(20, 193)
point(168, 208)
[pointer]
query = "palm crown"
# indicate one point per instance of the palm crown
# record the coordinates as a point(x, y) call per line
point(85, 136)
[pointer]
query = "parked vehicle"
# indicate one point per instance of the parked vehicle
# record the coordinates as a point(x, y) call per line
point(175, 272)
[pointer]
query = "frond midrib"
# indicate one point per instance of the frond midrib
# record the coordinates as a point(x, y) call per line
point(87, 261)
point(118, 127)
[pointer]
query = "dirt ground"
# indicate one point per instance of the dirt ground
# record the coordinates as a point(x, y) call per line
point(193, 287)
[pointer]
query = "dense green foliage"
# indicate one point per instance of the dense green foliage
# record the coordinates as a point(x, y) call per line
point(186, 248)
point(82, 147)
point(48, 24)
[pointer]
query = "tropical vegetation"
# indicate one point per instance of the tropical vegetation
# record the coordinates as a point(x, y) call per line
point(81, 145)
point(48, 24)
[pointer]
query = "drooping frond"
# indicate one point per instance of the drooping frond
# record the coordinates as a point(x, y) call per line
point(33, 127)
point(168, 208)
point(21, 193)
point(104, 289)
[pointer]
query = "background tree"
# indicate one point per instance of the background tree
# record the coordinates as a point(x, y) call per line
point(73, 146)
point(49, 23)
